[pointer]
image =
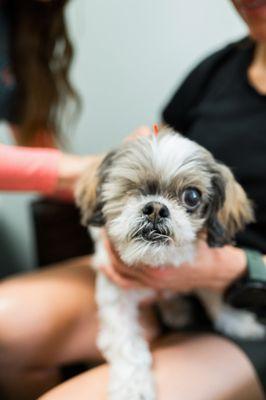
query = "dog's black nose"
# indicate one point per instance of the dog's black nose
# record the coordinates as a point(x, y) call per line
point(155, 210)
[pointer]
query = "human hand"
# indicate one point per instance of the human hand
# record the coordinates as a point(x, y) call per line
point(213, 268)
point(71, 167)
point(139, 132)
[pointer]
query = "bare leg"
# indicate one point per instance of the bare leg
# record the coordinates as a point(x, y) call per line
point(203, 367)
point(47, 318)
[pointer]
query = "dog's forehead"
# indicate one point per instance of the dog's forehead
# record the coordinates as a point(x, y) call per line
point(172, 152)
point(163, 158)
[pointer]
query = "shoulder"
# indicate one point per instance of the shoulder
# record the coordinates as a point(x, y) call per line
point(219, 58)
point(193, 87)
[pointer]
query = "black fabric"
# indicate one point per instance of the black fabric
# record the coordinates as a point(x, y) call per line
point(10, 261)
point(256, 352)
point(58, 235)
point(217, 107)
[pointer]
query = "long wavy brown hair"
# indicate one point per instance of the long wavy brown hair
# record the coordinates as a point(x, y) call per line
point(41, 54)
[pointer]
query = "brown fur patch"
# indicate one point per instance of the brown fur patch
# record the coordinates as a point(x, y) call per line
point(86, 191)
point(237, 210)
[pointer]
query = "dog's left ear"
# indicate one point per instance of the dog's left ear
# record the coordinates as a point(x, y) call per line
point(231, 210)
point(88, 191)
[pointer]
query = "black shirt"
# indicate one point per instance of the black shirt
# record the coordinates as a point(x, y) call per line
point(217, 107)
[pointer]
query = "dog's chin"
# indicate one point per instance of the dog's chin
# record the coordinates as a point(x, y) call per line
point(156, 251)
point(159, 234)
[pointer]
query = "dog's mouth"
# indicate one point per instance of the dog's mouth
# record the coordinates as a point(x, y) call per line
point(156, 238)
point(153, 233)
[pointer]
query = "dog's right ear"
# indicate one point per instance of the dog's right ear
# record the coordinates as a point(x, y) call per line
point(88, 191)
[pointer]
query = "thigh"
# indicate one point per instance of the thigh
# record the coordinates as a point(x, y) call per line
point(205, 367)
point(191, 368)
point(49, 317)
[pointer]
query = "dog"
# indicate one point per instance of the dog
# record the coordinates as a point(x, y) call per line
point(156, 196)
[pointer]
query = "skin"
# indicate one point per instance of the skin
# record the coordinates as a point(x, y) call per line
point(59, 327)
point(39, 349)
point(71, 168)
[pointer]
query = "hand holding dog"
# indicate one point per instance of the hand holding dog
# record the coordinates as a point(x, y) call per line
point(71, 167)
point(213, 268)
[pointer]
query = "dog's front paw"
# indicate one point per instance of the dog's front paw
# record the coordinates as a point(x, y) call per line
point(239, 324)
point(139, 387)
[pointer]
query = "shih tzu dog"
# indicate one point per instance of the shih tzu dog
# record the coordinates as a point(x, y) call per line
point(156, 196)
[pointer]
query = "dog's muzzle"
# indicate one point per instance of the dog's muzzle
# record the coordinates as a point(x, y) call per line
point(155, 220)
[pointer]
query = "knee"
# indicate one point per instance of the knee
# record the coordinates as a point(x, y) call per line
point(17, 328)
point(10, 313)
point(37, 320)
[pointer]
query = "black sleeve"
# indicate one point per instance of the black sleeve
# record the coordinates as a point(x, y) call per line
point(176, 112)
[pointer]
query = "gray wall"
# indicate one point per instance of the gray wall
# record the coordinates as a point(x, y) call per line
point(130, 55)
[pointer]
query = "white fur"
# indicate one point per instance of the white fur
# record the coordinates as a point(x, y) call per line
point(120, 338)
point(170, 153)
point(230, 321)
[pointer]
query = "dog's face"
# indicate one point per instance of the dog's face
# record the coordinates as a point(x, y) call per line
point(157, 196)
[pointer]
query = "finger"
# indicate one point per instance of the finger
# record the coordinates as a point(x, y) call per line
point(139, 276)
point(143, 275)
point(132, 273)
point(117, 270)
point(118, 279)
point(141, 131)
point(124, 275)
point(114, 277)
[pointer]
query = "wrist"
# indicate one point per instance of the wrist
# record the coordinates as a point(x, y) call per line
point(249, 292)
point(65, 172)
point(70, 169)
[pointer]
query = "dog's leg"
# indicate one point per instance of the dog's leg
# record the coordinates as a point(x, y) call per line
point(231, 321)
point(121, 342)
point(239, 324)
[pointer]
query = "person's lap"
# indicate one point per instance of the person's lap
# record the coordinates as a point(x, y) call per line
point(195, 367)
point(49, 319)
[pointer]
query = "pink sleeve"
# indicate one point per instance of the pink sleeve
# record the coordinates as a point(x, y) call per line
point(28, 169)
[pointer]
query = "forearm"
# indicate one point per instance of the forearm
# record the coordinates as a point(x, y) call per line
point(29, 169)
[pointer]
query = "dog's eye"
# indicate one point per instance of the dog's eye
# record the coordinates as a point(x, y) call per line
point(191, 198)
